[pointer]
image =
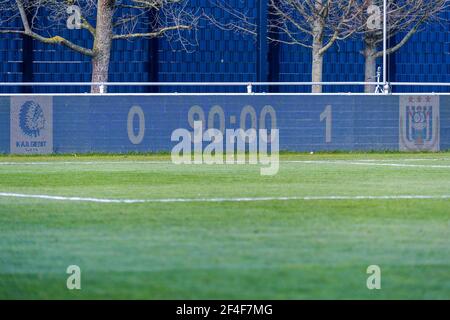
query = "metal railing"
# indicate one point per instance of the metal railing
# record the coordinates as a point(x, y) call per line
point(248, 87)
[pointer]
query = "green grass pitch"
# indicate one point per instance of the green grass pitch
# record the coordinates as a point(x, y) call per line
point(273, 249)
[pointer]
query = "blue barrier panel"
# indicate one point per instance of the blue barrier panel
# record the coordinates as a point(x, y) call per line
point(445, 122)
point(120, 124)
point(4, 125)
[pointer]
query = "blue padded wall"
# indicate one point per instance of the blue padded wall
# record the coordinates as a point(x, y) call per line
point(84, 123)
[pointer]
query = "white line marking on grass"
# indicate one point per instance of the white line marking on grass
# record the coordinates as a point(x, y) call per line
point(369, 163)
point(242, 199)
point(364, 162)
point(37, 163)
point(399, 160)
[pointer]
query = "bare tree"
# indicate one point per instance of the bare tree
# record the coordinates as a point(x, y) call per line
point(105, 20)
point(314, 24)
point(404, 19)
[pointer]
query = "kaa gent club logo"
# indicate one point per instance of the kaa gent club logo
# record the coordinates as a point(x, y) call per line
point(419, 123)
point(31, 119)
point(31, 125)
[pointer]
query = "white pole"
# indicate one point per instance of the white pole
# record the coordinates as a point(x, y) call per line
point(249, 88)
point(385, 43)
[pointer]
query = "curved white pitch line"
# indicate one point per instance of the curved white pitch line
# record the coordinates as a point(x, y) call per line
point(242, 199)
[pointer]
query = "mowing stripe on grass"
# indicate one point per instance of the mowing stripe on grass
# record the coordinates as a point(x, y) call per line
point(334, 162)
point(243, 199)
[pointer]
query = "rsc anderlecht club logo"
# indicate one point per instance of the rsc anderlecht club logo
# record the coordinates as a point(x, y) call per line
point(31, 119)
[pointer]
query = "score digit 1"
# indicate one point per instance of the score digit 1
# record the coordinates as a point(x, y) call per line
point(327, 115)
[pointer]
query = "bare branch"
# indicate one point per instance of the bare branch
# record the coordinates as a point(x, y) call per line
point(238, 21)
point(151, 35)
point(405, 18)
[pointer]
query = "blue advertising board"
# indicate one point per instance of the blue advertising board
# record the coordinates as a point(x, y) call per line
point(43, 124)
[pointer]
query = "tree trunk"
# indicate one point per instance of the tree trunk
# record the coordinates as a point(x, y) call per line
point(317, 56)
point(102, 43)
point(317, 69)
point(370, 51)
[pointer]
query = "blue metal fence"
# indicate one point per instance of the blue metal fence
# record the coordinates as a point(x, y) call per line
point(223, 56)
